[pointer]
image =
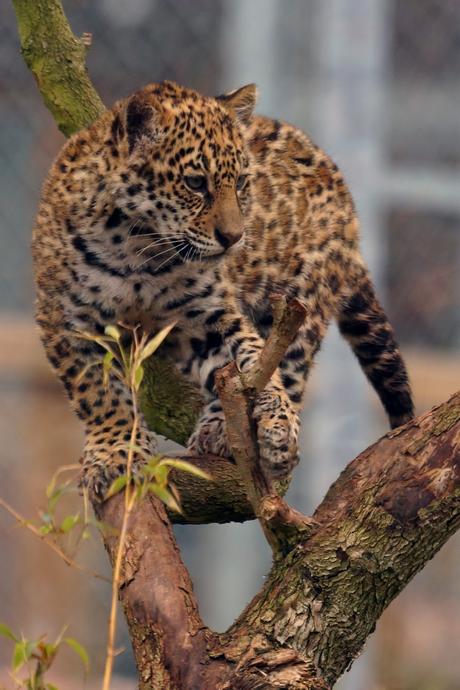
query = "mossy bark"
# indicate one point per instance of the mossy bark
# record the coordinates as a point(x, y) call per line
point(57, 59)
point(170, 403)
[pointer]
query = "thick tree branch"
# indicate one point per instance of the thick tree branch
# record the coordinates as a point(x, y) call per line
point(388, 513)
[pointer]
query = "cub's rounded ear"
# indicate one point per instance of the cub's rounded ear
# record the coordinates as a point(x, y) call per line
point(140, 118)
point(241, 102)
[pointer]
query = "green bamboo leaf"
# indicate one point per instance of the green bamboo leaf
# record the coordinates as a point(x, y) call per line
point(45, 529)
point(150, 466)
point(138, 376)
point(21, 653)
point(80, 650)
point(50, 487)
point(50, 649)
point(7, 632)
point(141, 490)
point(106, 366)
point(156, 341)
point(117, 485)
point(166, 496)
point(185, 466)
point(160, 472)
point(113, 332)
point(69, 523)
point(56, 495)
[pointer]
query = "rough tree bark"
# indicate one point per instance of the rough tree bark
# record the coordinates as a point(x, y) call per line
point(388, 513)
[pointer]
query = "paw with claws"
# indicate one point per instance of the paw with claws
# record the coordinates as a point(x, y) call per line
point(210, 436)
point(277, 433)
point(100, 469)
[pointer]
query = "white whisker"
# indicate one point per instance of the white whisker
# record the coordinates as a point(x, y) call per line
point(168, 249)
point(132, 226)
point(152, 245)
point(170, 258)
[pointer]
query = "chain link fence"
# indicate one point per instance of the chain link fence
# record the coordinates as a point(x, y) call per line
point(376, 84)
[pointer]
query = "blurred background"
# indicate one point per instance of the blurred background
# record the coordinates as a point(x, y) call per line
point(375, 83)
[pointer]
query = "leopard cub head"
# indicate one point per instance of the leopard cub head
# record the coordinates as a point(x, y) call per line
point(180, 177)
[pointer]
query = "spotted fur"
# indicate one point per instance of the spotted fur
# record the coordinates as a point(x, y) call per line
point(177, 206)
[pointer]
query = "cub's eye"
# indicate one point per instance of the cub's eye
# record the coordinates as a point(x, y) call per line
point(197, 183)
point(241, 182)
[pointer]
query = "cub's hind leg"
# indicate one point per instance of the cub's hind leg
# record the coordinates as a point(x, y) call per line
point(298, 359)
point(221, 334)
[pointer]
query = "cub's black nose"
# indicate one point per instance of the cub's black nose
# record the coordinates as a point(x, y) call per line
point(227, 238)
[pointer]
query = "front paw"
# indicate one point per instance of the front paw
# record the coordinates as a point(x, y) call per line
point(210, 438)
point(99, 473)
point(277, 433)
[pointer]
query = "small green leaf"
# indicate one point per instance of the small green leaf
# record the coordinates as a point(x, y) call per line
point(106, 366)
point(50, 649)
point(117, 485)
point(154, 460)
point(51, 486)
point(138, 376)
point(55, 497)
point(185, 466)
point(160, 472)
point(7, 632)
point(21, 653)
point(141, 490)
point(80, 650)
point(166, 496)
point(156, 341)
point(45, 529)
point(69, 523)
point(49, 686)
point(113, 332)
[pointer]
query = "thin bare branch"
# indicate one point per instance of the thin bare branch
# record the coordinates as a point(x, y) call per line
point(288, 317)
point(282, 525)
point(21, 520)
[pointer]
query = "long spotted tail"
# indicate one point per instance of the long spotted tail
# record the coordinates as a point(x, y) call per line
point(364, 324)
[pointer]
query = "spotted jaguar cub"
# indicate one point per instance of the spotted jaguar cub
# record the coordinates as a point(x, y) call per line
point(177, 206)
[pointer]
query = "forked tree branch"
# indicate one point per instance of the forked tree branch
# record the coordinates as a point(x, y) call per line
point(387, 514)
point(282, 525)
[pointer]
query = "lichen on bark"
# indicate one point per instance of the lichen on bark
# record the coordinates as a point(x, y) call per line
point(57, 60)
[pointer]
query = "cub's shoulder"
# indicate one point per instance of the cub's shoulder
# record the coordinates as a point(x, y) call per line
point(275, 140)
